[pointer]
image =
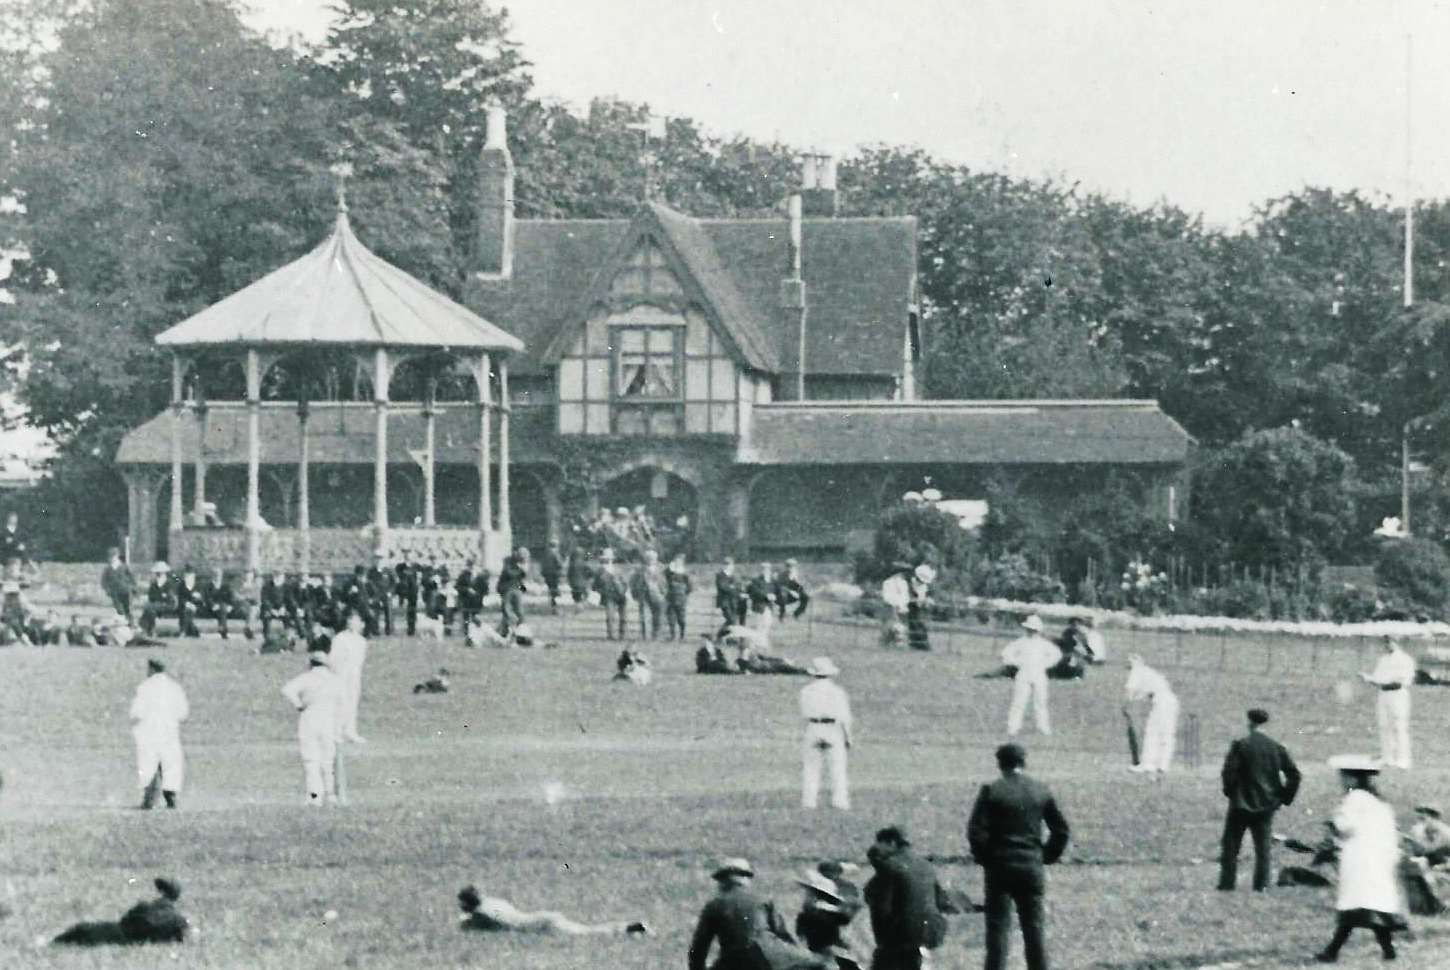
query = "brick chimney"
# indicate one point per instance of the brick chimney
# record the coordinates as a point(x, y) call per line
point(819, 198)
point(793, 306)
point(495, 254)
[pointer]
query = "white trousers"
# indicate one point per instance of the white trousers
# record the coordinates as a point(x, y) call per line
point(352, 679)
point(159, 749)
point(822, 743)
point(318, 746)
point(1160, 733)
point(1029, 687)
point(1393, 713)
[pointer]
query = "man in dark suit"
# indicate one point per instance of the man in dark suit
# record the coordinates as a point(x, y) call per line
point(906, 903)
point(1259, 777)
point(739, 921)
point(189, 602)
point(792, 590)
point(729, 595)
point(118, 583)
point(763, 590)
point(551, 567)
point(380, 594)
point(1005, 833)
point(406, 588)
point(511, 589)
point(218, 599)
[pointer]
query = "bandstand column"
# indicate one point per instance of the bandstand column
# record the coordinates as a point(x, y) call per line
point(430, 421)
point(505, 518)
point(254, 461)
point(485, 483)
point(304, 492)
point(380, 456)
point(198, 507)
point(178, 410)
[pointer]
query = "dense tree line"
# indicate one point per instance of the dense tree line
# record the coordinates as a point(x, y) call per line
point(156, 171)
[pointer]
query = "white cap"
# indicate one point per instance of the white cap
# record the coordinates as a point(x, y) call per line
point(1033, 623)
point(823, 667)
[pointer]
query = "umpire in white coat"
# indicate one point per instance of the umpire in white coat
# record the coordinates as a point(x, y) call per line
point(348, 655)
point(1031, 656)
point(157, 711)
point(1393, 674)
point(826, 713)
point(319, 696)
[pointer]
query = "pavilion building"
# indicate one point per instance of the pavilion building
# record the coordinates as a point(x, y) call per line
point(756, 379)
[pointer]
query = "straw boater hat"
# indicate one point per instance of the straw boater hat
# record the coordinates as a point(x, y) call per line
point(1033, 623)
point(822, 667)
point(160, 567)
point(733, 867)
point(824, 885)
point(1355, 764)
point(925, 573)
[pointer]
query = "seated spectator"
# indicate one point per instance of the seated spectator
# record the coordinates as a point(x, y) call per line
point(633, 666)
point(159, 599)
point(710, 659)
point(1429, 837)
point(826, 924)
point(494, 914)
point(79, 633)
point(45, 631)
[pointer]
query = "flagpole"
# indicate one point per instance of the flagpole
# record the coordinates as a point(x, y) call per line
point(1409, 282)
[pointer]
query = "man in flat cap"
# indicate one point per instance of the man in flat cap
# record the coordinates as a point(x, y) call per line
point(1259, 778)
point(906, 901)
point(157, 711)
point(739, 921)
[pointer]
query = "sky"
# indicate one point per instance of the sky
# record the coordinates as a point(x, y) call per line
point(1213, 105)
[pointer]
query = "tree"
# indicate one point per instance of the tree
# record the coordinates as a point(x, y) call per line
point(1278, 498)
point(160, 171)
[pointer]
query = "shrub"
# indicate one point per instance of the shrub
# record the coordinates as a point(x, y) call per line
point(913, 533)
point(1415, 573)
point(1012, 577)
point(1351, 604)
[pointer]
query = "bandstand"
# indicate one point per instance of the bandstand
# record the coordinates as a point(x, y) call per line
point(339, 314)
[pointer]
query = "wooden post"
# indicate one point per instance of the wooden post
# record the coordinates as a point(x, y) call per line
point(199, 470)
point(254, 461)
point(430, 421)
point(505, 517)
point(304, 498)
point(484, 380)
point(178, 409)
point(380, 455)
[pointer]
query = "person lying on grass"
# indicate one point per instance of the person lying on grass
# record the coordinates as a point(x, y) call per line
point(495, 914)
point(152, 921)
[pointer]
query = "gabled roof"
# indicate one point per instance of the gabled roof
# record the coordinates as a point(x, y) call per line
point(340, 293)
point(696, 262)
point(965, 432)
point(859, 277)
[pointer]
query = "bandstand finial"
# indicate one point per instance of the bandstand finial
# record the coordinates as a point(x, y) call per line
point(341, 172)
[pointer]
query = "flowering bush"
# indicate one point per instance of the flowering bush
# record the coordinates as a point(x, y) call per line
point(1143, 589)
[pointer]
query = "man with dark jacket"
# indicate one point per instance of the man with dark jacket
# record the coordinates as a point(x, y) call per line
point(469, 604)
point(1259, 777)
point(511, 577)
point(118, 583)
point(906, 903)
point(1005, 833)
point(218, 599)
point(730, 594)
point(551, 567)
point(405, 586)
point(747, 928)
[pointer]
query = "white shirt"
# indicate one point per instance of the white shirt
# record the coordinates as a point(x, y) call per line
point(823, 698)
point(319, 695)
point(1395, 667)
point(1032, 655)
point(349, 651)
point(159, 705)
point(1144, 681)
point(1369, 853)
point(896, 592)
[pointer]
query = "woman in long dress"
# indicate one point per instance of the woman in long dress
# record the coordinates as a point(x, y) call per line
point(1369, 850)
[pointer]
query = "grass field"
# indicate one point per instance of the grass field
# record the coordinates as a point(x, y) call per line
point(658, 783)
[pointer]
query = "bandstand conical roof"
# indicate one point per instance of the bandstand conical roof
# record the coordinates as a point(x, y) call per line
point(339, 294)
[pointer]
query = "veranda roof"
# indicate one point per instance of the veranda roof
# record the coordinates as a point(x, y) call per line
point(340, 294)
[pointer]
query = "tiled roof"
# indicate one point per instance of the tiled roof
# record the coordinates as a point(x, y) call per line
point(339, 434)
point(340, 293)
point(965, 432)
point(859, 283)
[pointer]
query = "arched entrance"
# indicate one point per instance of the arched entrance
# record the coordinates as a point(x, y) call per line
point(669, 500)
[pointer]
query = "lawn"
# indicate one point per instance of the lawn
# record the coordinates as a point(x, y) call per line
point(657, 783)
